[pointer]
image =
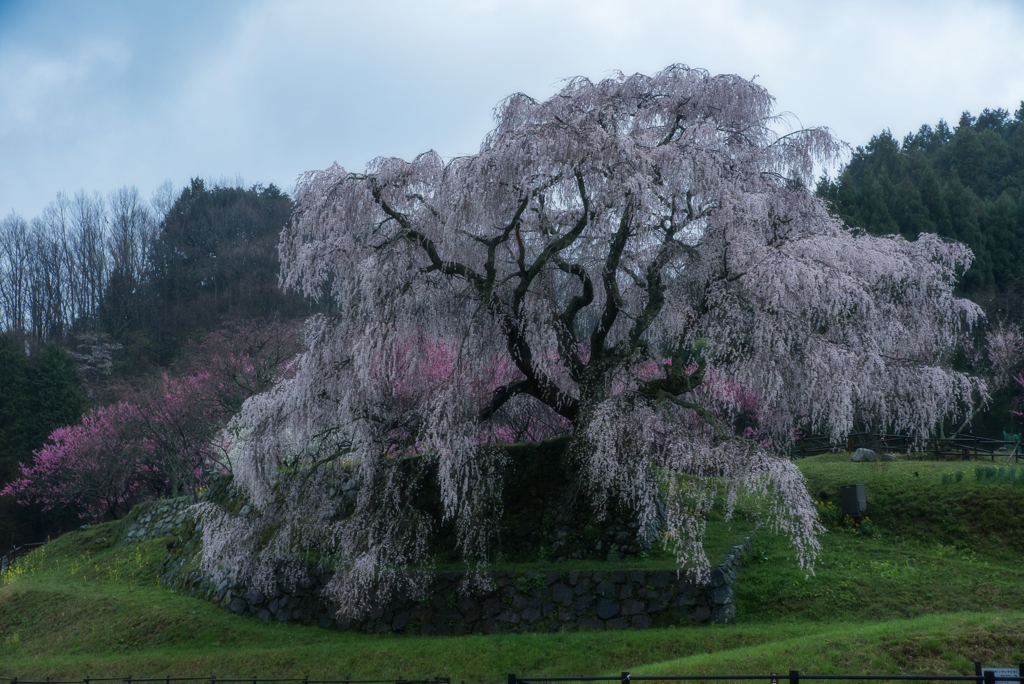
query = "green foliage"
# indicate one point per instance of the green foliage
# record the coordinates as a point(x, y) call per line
point(56, 398)
point(15, 411)
point(91, 606)
point(992, 475)
point(215, 257)
point(908, 499)
point(950, 478)
point(965, 183)
point(37, 395)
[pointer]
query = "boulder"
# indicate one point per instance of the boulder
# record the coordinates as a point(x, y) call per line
point(864, 456)
point(887, 457)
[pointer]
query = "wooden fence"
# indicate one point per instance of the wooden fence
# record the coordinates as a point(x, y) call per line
point(961, 447)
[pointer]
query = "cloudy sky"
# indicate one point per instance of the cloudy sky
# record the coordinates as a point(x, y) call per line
point(98, 95)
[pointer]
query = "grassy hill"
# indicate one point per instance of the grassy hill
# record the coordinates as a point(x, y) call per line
point(931, 583)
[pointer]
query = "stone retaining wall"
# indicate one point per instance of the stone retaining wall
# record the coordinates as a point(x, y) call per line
point(532, 601)
point(155, 519)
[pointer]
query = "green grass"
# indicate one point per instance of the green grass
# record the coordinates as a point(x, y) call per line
point(909, 499)
point(913, 597)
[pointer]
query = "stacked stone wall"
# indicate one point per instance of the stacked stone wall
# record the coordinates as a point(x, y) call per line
point(156, 519)
point(530, 601)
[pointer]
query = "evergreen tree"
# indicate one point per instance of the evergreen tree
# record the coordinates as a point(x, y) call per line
point(55, 397)
point(14, 406)
point(215, 258)
point(965, 184)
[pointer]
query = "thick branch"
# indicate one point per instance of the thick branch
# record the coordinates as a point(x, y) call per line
point(436, 263)
point(613, 298)
point(565, 326)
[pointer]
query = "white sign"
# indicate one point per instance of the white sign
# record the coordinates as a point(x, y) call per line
point(1003, 672)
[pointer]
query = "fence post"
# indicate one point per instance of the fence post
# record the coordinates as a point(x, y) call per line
point(794, 677)
point(990, 677)
point(512, 679)
point(624, 678)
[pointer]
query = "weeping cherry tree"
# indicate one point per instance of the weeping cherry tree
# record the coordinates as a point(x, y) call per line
point(637, 262)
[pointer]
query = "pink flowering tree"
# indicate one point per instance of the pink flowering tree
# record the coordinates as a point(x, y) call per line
point(99, 468)
point(638, 261)
point(165, 438)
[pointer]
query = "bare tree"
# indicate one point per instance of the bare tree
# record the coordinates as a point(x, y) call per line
point(163, 199)
point(132, 230)
point(15, 258)
point(89, 258)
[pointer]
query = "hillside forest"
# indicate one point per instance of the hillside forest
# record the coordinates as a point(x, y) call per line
point(161, 317)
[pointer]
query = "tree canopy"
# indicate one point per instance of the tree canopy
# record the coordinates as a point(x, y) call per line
point(214, 259)
point(964, 183)
point(641, 259)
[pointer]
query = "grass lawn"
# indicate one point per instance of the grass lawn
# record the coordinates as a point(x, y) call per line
point(927, 591)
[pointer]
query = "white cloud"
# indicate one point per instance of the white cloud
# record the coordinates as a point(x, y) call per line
point(34, 85)
point(270, 89)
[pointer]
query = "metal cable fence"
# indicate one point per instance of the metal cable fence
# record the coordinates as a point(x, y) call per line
point(981, 676)
point(224, 680)
point(7, 560)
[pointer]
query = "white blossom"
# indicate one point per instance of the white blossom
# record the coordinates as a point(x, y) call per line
point(637, 261)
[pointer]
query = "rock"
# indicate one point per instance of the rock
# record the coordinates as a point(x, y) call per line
point(531, 615)
point(583, 604)
point(699, 614)
point(721, 595)
point(724, 615)
point(607, 609)
point(864, 456)
point(660, 580)
point(641, 621)
point(618, 623)
point(631, 607)
point(887, 457)
point(561, 593)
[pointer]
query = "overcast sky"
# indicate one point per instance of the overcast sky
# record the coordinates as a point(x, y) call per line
point(96, 95)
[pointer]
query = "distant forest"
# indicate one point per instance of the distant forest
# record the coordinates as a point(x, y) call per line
point(100, 296)
point(965, 183)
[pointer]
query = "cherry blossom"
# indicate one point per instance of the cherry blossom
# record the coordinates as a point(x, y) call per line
point(638, 262)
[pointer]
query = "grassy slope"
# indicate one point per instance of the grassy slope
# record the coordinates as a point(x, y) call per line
point(891, 603)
